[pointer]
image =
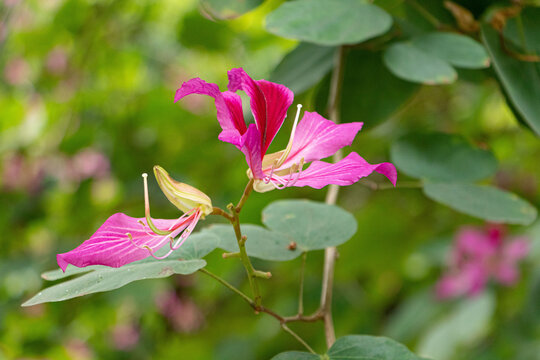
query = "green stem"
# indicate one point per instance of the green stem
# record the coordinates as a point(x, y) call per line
point(295, 335)
point(228, 285)
point(241, 240)
point(426, 14)
point(279, 318)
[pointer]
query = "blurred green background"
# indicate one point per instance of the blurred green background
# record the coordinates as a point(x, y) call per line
point(86, 106)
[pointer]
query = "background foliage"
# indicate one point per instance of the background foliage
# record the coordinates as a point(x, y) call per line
point(86, 107)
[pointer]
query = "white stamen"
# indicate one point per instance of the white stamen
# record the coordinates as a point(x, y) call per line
point(289, 145)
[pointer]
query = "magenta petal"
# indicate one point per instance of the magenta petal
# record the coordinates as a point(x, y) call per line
point(269, 103)
point(110, 246)
point(317, 138)
point(345, 172)
point(251, 147)
point(228, 106)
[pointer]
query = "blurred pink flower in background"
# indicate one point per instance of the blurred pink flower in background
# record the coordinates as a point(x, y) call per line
point(23, 173)
point(478, 255)
point(16, 71)
point(125, 336)
point(57, 61)
point(182, 313)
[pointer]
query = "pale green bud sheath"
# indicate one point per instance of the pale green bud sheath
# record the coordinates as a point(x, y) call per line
point(183, 196)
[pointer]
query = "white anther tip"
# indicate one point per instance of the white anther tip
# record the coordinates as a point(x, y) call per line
point(299, 106)
point(145, 175)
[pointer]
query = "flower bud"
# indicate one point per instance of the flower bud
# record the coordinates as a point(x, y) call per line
point(183, 196)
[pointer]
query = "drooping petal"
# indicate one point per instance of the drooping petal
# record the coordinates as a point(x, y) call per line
point(251, 147)
point(228, 106)
point(269, 103)
point(345, 172)
point(317, 138)
point(111, 246)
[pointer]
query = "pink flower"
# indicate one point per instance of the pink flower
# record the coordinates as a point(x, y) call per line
point(312, 139)
point(123, 239)
point(478, 256)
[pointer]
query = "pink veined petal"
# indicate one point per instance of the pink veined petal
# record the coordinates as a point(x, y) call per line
point(251, 147)
point(269, 103)
point(110, 246)
point(317, 138)
point(345, 172)
point(228, 106)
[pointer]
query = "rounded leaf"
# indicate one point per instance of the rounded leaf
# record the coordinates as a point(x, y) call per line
point(444, 157)
point(363, 347)
point(485, 202)
point(261, 243)
point(458, 50)
point(410, 63)
point(328, 22)
point(304, 66)
point(312, 225)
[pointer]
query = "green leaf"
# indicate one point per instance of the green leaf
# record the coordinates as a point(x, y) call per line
point(261, 243)
point(328, 22)
point(363, 347)
point(71, 270)
point(482, 201)
point(361, 101)
point(228, 9)
point(521, 80)
point(304, 66)
point(463, 326)
point(197, 246)
point(408, 62)
point(312, 225)
point(105, 279)
point(524, 30)
point(357, 347)
point(444, 157)
point(458, 50)
point(296, 355)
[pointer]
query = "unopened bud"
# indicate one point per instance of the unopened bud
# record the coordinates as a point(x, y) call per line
point(185, 197)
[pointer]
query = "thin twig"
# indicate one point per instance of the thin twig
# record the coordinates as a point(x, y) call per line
point(301, 291)
point(228, 285)
point(331, 198)
point(278, 317)
point(221, 212)
point(295, 335)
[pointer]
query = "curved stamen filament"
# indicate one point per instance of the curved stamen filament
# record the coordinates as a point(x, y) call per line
point(289, 145)
point(294, 175)
point(147, 210)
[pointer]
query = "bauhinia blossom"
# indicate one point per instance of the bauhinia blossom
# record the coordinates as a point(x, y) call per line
point(123, 239)
point(478, 256)
point(312, 139)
